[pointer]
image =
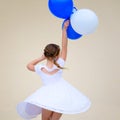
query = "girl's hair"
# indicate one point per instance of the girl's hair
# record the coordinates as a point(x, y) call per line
point(51, 51)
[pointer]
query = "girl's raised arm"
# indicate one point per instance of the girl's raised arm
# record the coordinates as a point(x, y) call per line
point(31, 65)
point(64, 40)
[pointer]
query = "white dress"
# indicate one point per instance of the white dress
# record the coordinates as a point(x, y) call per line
point(56, 94)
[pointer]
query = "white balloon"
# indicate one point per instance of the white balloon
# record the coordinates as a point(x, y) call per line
point(84, 21)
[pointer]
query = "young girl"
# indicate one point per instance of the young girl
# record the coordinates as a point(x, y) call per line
point(56, 96)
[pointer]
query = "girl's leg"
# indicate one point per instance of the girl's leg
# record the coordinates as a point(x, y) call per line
point(56, 116)
point(46, 114)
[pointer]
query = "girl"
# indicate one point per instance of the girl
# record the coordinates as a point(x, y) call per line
point(56, 96)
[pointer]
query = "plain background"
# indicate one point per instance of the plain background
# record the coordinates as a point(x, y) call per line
point(93, 64)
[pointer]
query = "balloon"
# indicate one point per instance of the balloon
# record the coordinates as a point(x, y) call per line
point(74, 10)
point(84, 21)
point(61, 8)
point(71, 34)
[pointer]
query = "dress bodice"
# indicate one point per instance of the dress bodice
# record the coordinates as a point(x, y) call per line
point(48, 78)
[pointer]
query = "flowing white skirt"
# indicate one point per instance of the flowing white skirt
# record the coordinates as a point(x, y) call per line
point(60, 97)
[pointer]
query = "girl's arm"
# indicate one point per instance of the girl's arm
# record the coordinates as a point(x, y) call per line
point(30, 66)
point(64, 40)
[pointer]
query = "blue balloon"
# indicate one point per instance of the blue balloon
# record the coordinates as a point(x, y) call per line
point(61, 8)
point(71, 34)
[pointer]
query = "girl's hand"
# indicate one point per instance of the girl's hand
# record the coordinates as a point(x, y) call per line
point(66, 24)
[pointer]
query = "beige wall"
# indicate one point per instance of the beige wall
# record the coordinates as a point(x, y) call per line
point(93, 63)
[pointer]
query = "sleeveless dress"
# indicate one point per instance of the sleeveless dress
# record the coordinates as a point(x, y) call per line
point(56, 94)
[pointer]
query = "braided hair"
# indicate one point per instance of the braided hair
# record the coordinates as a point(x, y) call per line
point(51, 51)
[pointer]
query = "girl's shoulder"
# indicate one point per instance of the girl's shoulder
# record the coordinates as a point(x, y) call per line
point(38, 67)
point(61, 61)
